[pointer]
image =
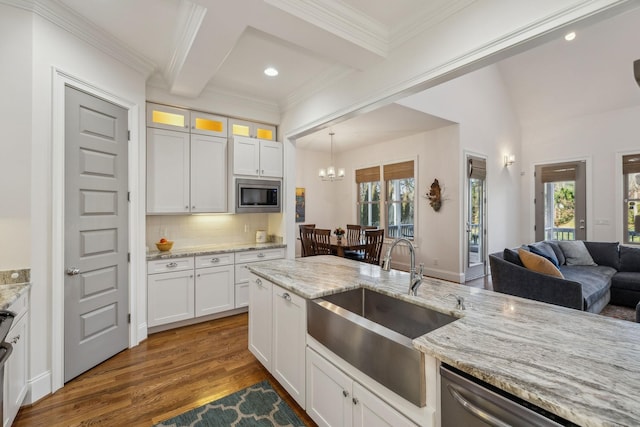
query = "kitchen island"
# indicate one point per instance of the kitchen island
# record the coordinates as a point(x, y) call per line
point(580, 366)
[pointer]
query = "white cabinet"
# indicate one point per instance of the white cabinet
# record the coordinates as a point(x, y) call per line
point(277, 333)
point(242, 259)
point(15, 368)
point(257, 157)
point(260, 319)
point(335, 399)
point(214, 289)
point(170, 295)
point(186, 173)
point(251, 129)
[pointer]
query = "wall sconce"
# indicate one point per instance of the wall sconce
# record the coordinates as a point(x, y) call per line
point(509, 159)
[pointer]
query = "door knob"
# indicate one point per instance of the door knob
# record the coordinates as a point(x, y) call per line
point(72, 271)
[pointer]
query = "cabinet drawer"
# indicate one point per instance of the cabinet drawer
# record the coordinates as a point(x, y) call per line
point(19, 306)
point(259, 255)
point(214, 260)
point(167, 265)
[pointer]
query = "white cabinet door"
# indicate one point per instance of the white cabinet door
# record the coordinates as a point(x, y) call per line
point(271, 159)
point(165, 117)
point(208, 174)
point(15, 369)
point(208, 124)
point(328, 393)
point(215, 290)
point(167, 171)
point(170, 297)
point(371, 411)
point(242, 295)
point(289, 342)
point(251, 129)
point(246, 156)
point(260, 319)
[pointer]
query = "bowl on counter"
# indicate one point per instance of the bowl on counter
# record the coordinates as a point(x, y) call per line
point(165, 246)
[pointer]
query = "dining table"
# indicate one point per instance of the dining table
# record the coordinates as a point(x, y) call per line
point(339, 246)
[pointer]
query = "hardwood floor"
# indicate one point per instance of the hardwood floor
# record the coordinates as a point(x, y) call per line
point(169, 373)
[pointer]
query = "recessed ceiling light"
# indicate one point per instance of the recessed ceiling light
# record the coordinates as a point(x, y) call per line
point(271, 72)
point(570, 36)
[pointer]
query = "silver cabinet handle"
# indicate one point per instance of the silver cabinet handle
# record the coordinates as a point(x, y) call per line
point(355, 401)
point(259, 282)
point(198, 275)
point(214, 260)
point(286, 296)
point(257, 171)
point(260, 255)
point(474, 410)
point(345, 393)
point(186, 207)
point(193, 207)
point(172, 265)
point(15, 339)
point(72, 271)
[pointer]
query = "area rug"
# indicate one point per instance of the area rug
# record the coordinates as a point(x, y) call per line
point(258, 405)
point(618, 312)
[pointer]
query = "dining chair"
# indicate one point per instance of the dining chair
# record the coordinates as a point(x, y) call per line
point(373, 247)
point(322, 241)
point(306, 239)
point(353, 232)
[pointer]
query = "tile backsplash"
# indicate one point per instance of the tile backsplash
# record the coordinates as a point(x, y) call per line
point(196, 230)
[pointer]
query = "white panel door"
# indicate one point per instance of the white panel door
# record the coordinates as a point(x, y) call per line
point(246, 156)
point(328, 393)
point(260, 319)
point(271, 159)
point(170, 297)
point(371, 411)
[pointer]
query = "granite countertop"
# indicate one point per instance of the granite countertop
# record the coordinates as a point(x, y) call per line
point(13, 283)
point(211, 250)
point(581, 366)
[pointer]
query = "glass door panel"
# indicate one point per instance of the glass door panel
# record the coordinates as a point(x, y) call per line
point(475, 221)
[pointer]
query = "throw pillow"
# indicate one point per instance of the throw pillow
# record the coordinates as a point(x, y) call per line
point(545, 251)
point(604, 253)
point(629, 259)
point(538, 264)
point(512, 256)
point(576, 252)
point(556, 248)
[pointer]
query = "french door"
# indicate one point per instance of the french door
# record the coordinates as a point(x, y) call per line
point(560, 201)
point(475, 243)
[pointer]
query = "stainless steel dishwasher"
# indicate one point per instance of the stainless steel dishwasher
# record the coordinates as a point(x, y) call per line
point(469, 402)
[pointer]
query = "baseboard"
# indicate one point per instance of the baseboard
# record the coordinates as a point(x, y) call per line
point(444, 275)
point(195, 320)
point(38, 388)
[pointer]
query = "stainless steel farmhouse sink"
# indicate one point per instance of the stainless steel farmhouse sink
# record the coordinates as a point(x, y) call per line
point(373, 332)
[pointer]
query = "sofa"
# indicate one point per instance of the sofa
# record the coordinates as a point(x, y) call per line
point(583, 275)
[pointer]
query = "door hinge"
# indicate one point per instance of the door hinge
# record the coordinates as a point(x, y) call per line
point(128, 135)
point(128, 196)
point(128, 256)
point(129, 318)
point(534, 228)
point(534, 200)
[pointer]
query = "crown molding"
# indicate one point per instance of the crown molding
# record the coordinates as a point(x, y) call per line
point(341, 20)
point(192, 16)
point(425, 19)
point(70, 21)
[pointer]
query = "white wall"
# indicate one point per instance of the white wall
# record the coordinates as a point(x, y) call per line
point(598, 138)
point(54, 47)
point(15, 144)
point(333, 204)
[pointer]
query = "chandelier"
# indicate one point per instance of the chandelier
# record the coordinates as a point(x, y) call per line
point(329, 174)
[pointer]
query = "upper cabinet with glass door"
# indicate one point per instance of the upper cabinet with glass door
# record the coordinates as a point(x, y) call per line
point(251, 129)
point(183, 120)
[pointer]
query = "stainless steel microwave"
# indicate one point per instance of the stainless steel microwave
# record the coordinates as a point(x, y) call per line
point(258, 195)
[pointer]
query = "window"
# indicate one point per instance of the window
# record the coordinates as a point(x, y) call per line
point(400, 195)
point(368, 181)
point(631, 182)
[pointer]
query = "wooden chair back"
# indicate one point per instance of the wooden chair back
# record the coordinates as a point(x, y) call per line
point(373, 247)
point(322, 241)
point(306, 239)
point(354, 232)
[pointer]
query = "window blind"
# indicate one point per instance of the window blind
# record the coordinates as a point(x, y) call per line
point(477, 168)
point(371, 174)
point(559, 172)
point(398, 170)
point(631, 164)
